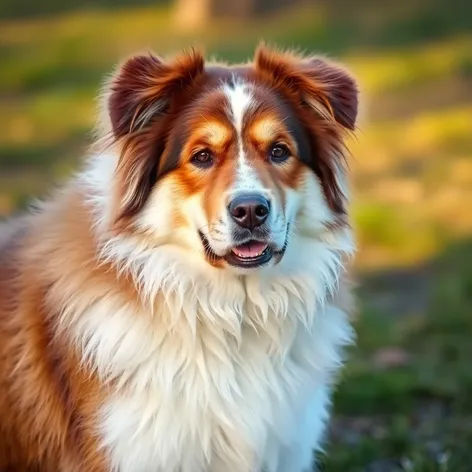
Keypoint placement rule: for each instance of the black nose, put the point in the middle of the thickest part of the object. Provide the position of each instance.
(249, 210)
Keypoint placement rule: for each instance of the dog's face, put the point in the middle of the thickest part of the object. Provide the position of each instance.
(228, 162)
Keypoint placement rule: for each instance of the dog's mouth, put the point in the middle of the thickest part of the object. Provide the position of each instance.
(248, 255)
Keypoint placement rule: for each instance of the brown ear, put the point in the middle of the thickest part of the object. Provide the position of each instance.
(325, 97)
(140, 109)
(320, 84)
(144, 87)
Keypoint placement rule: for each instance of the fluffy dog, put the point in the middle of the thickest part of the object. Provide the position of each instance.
(180, 305)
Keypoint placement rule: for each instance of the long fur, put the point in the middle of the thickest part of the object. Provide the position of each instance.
(121, 350)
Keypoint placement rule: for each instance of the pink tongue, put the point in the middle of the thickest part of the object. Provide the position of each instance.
(251, 249)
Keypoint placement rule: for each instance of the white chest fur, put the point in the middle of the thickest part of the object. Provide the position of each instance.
(205, 399)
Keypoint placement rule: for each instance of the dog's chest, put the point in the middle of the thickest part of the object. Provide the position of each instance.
(207, 402)
(219, 403)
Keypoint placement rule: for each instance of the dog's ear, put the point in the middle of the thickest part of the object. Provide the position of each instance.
(144, 87)
(323, 85)
(325, 97)
(141, 101)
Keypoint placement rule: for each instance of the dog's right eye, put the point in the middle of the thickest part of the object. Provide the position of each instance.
(202, 159)
(279, 153)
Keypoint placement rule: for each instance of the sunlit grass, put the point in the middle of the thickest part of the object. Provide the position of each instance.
(396, 70)
(420, 134)
(46, 118)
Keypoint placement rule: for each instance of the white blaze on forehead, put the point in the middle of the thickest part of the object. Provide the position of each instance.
(241, 99)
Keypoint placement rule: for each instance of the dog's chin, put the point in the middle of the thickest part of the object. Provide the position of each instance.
(250, 255)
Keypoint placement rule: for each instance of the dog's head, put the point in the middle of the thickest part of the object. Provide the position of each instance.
(227, 163)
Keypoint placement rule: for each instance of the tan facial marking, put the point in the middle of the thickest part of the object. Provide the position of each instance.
(265, 129)
(215, 133)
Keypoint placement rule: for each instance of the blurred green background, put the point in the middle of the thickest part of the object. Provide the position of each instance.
(405, 399)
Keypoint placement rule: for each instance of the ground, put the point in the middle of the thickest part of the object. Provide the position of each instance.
(403, 403)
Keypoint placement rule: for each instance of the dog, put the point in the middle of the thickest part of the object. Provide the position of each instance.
(182, 303)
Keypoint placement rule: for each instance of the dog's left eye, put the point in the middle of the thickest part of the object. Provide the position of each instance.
(202, 159)
(279, 153)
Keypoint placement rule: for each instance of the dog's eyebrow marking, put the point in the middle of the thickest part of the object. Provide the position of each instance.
(264, 129)
(216, 133)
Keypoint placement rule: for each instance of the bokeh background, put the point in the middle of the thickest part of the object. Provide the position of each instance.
(405, 402)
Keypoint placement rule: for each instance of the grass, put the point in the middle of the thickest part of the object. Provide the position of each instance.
(403, 404)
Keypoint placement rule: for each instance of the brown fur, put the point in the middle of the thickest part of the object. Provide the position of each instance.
(48, 400)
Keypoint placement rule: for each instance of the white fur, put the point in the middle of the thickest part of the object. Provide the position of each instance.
(241, 99)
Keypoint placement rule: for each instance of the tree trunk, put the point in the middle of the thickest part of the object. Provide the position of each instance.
(194, 14)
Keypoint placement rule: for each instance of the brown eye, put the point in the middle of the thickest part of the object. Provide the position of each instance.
(202, 159)
(279, 153)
